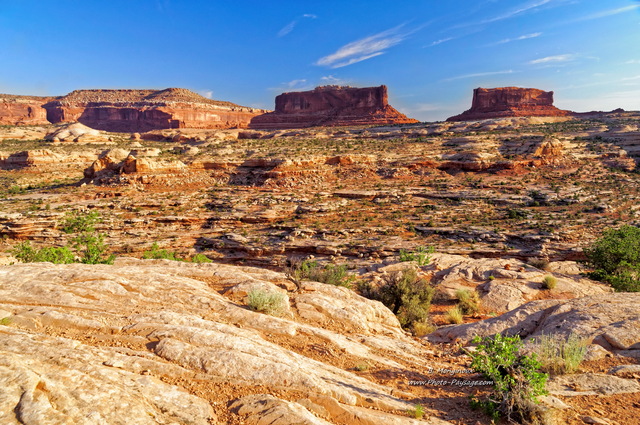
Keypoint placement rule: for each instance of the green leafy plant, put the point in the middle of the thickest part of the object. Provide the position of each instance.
(405, 294)
(615, 258)
(268, 302)
(517, 380)
(57, 255)
(155, 253)
(417, 412)
(468, 301)
(93, 248)
(421, 255)
(201, 258)
(5, 321)
(549, 282)
(330, 273)
(560, 355)
(362, 366)
(75, 222)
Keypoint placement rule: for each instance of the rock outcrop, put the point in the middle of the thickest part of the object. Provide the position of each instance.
(331, 106)
(144, 110)
(22, 110)
(510, 102)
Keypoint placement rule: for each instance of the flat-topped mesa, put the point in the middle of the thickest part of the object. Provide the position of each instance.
(22, 110)
(145, 110)
(510, 102)
(331, 106)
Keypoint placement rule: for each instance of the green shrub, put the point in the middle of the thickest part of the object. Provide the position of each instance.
(160, 254)
(421, 255)
(5, 321)
(420, 329)
(201, 258)
(268, 302)
(57, 255)
(517, 381)
(406, 295)
(549, 282)
(417, 412)
(559, 355)
(93, 249)
(615, 258)
(468, 301)
(76, 222)
(330, 273)
(454, 315)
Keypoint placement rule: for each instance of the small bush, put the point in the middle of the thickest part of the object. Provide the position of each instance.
(539, 263)
(406, 295)
(201, 258)
(330, 273)
(160, 254)
(517, 381)
(93, 248)
(420, 329)
(549, 282)
(268, 302)
(559, 355)
(468, 301)
(417, 412)
(5, 321)
(454, 315)
(75, 222)
(362, 366)
(421, 255)
(615, 258)
(57, 255)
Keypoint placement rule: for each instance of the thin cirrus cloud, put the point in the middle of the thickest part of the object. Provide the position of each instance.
(443, 40)
(479, 74)
(522, 37)
(291, 25)
(606, 13)
(365, 48)
(553, 59)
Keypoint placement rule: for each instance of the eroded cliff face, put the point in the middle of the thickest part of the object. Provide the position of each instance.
(332, 106)
(22, 110)
(510, 102)
(144, 110)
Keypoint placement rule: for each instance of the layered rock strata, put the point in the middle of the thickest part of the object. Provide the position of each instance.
(22, 110)
(144, 110)
(510, 102)
(332, 106)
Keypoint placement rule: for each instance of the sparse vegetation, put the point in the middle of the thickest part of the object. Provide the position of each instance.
(421, 255)
(417, 412)
(615, 258)
(5, 321)
(29, 254)
(517, 380)
(405, 294)
(268, 302)
(330, 273)
(468, 301)
(560, 355)
(155, 253)
(454, 315)
(549, 282)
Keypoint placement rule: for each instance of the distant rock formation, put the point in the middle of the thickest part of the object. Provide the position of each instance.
(331, 106)
(144, 110)
(22, 110)
(510, 102)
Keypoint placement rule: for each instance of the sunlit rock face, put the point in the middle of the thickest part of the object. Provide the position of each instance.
(22, 110)
(510, 102)
(332, 106)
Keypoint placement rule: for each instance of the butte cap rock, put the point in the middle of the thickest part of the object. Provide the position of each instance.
(331, 106)
(510, 102)
(22, 110)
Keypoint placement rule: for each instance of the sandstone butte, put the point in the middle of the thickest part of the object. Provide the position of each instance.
(127, 110)
(22, 110)
(331, 106)
(510, 102)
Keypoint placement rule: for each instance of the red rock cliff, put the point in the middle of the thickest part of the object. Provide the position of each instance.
(331, 106)
(510, 102)
(144, 110)
(22, 110)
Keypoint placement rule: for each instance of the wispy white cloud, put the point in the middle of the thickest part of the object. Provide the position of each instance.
(291, 25)
(443, 40)
(522, 37)
(605, 13)
(331, 80)
(206, 93)
(365, 48)
(632, 61)
(293, 85)
(479, 74)
(517, 11)
(637, 77)
(553, 59)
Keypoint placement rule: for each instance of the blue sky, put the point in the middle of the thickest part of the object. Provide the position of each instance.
(430, 53)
